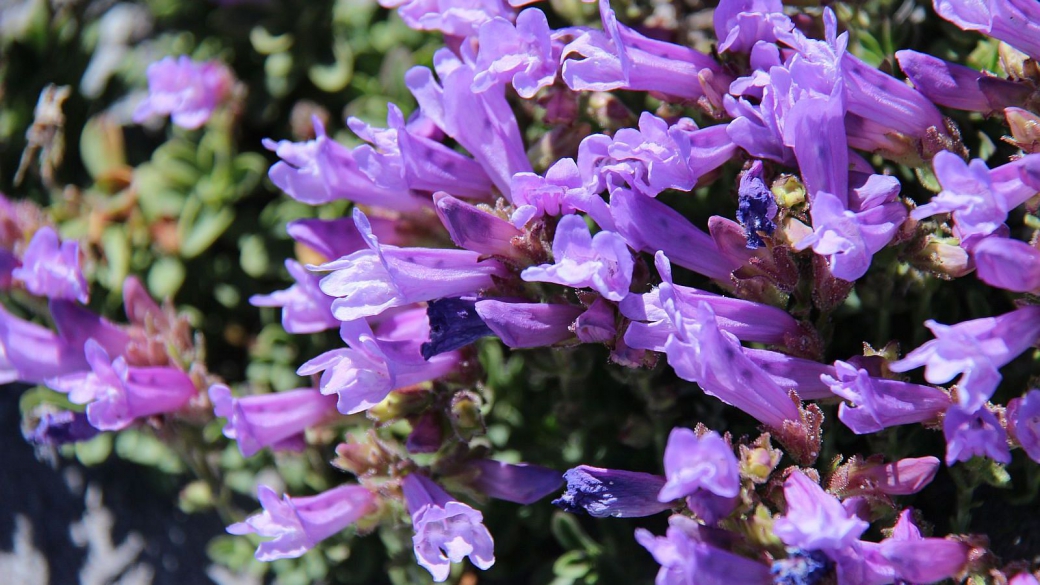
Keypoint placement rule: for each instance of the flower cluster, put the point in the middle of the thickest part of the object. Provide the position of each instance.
(458, 233)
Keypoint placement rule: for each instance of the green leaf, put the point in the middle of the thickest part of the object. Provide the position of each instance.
(210, 225)
(165, 277)
(40, 395)
(253, 256)
(336, 76)
(267, 44)
(986, 146)
(987, 471)
(101, 145)
(95, 450)
(927, 178)
(196, 497)
(871, 52)
(143, 448)
(234, 552)
(573, 564)
(117, 256)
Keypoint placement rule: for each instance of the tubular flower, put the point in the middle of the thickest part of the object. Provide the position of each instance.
(297, 524)
(446, 530)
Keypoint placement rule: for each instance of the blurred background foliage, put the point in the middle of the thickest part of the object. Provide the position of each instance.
(193, 214)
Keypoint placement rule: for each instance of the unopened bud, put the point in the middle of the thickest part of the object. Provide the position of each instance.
(788, 191)
(942, 258)
(363, 456)
(398, 405)
(758, 460)
(1025, 129)
(1014, 62)
(466, 417)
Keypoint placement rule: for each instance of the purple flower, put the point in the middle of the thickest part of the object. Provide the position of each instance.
(702, 469)
(50, 268)
(850, 239)
(476, 229)
(650, 226)
(1016, 22)
(188, 92)
(521, 483)
(959, 87)
(868, 190)
(740, 24)
(1024, 579)
(458, 18)
(1023, 415)
(31, 353)
(454, 323)
(521, 325)
(365, 372)
(912, 558)
(270, 420)
(305, 309)
(299, 524)
(335, 238)
(520, 54)
(647, 159)
(757, 207)
(747, 320)
(60, 428)
(1007, 264)
(654, 157)
(322, 170)
(974, 433)
(798, 374)
(898, 478)
(700, 352)
(620, 58)
(815, 520)
(446, 530)
(116, 394)
(611, 493)
(977, 349)
(800, 101)
(687, 557)
(482, 123)
(368, 282)
(880, 403)
(401, 159)
(598, 324)
(883, 99)
(602, 262)
(978, 198)
(560, 192)
(814, 128)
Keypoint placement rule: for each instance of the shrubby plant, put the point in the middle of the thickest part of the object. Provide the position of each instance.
(746, 290)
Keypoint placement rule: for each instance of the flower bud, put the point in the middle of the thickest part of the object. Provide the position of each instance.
(399, 405)
(1013, 62)
(788, 190)
(942, 259)
(1025, 129)
(758, 460)
(466, 418)
(364, 456)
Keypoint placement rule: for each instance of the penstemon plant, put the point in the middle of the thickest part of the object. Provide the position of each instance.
(745, 292)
